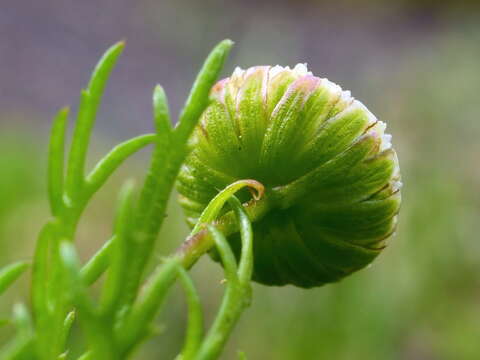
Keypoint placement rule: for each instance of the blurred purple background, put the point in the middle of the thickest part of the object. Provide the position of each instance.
(47, 48)
(415, 64)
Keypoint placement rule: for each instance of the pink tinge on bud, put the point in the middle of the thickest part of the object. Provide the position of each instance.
(306, 83)
(323, 158)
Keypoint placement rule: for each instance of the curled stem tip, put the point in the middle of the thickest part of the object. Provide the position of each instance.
(256, 189)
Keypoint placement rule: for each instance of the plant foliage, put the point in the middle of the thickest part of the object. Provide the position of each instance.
(122, 318)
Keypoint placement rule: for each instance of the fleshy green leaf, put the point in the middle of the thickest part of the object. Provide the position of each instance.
(89, 103)
(168, 156)
(97, 330)
(71, 266)
(119, 254)
(97, 264)
(10, 273)
(40, 274)
(67, 325)
(56, 154)
(135, 327)
(161, 112)
(105, 167)
(198, 99)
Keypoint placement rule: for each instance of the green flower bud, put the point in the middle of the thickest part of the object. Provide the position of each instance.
(329, 171)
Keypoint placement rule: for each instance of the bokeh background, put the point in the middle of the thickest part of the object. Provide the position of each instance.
(416, 64)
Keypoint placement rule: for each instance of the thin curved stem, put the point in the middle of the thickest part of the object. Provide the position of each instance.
(194, 333)
(238, 293)
(199, 243)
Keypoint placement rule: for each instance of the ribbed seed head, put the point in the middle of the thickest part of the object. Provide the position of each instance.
(320, 153)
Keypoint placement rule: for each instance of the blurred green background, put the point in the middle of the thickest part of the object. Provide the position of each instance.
(415, 64)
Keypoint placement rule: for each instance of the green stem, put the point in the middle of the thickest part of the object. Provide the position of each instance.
(135, 326)
(238, 293)
(167, 159)
(201, 242)
(194, 333)
(228, 316)
(98, 264)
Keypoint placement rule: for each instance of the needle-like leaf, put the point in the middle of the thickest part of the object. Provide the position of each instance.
(97, 264)
(97, 331)
(89, 103)
(11, 273)
(199, 95)
(40, 275)
(56, 154)
(166, 161)
(136, 325)
(153, 197)
(67, 325)
(119, 254)
(110, 162)
(161, 112)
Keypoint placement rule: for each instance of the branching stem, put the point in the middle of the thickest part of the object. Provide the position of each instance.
(201, 242)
